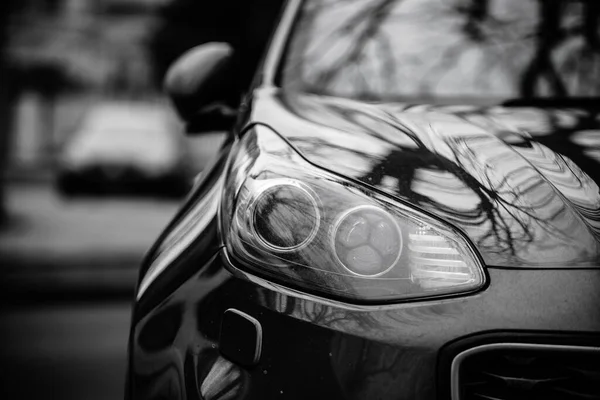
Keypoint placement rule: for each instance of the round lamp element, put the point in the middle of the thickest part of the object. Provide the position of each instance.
(285, 217)
(367, 241)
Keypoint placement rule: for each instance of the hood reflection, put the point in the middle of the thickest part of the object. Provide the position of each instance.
(520, 182)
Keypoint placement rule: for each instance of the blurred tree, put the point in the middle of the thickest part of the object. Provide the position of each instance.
(245, 24)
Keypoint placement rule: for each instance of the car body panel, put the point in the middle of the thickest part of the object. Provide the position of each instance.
(520, 182)
(335, 350)
(541, 263)
(194, 226)
(312, 345)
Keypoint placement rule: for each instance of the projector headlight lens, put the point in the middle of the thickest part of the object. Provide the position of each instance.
(367, 241)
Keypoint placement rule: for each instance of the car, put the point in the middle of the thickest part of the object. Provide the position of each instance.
(125, 147)
(406, 207)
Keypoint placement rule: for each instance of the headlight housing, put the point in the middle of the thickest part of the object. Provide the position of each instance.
(301, 227)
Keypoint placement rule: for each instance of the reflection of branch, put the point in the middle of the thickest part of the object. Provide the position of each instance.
(560, 142)
(388, 66)
(549, 37)
(527, 202)
(374, 21)
(590, 27)
(333, 317)
(367, 369)
(477, 12)
(493, 205)
(528, 56)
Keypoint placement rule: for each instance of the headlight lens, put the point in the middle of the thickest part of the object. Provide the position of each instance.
(367, 241)
(285, 215)
(296, 225)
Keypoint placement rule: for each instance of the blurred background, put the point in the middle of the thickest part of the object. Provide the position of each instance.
(93, 164)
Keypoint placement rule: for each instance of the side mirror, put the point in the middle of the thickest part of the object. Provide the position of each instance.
(196, 81)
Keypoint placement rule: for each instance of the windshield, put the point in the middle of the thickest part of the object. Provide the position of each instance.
(445, 50)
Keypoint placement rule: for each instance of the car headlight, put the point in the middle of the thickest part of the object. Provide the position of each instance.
(304, 228)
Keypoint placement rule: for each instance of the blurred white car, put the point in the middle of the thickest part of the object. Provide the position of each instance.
(124, 147)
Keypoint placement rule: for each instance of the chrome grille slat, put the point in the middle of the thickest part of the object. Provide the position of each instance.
(527, 371)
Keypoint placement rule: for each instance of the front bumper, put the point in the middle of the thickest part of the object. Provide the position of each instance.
(314, 349)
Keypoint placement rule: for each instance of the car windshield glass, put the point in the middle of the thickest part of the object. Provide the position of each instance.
(446, 51)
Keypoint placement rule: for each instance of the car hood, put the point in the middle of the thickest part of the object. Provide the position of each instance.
(520, 182)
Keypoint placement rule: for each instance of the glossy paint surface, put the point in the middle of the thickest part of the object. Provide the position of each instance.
(315, 347)
(520, 182)
(316, 350)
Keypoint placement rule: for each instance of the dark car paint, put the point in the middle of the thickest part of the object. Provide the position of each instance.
(208, 178)
(343, 351)
(166, 285)
(334, 350)
(314, 348)
(522, 188)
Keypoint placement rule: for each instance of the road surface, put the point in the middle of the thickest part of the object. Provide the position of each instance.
(64, 351)
(67, 270)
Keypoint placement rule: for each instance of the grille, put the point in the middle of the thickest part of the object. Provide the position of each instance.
(527, 372)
